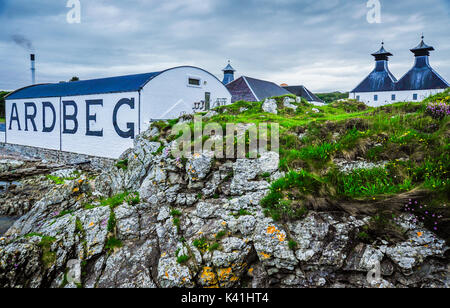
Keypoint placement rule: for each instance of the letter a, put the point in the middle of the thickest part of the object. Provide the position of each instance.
(374, 14)
(74, 15)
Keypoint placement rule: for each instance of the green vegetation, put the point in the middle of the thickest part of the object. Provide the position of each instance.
(175, 213)
(220, 235)
(201, 244)
(183, 259)
(332, 97)
(292, 244)
(114, 201)
(112, 222)
(409, 146)
(112, 243)
(133, 198)
(214, 247)
(59, 181)
(242, 212)
(367, 183)
(412, 145)
(48, 257)
(2, 105)
(122, 164)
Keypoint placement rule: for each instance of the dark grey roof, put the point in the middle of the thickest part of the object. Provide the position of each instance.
(380, 79)
(128, 83)
(422, 46)
(265, 89)
(240, 91)
(302, 91)
(421, 77)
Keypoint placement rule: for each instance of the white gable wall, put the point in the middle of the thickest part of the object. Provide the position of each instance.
(385, 98)
(169, 95)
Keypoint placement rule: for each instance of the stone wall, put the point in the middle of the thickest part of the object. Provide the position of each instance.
(99, 163)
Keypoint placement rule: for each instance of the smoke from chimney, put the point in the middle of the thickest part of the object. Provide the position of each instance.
(23, 42)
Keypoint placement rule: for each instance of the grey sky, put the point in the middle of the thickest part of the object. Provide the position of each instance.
(323, 44)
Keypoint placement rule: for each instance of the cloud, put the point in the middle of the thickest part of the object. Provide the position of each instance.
(323, 44)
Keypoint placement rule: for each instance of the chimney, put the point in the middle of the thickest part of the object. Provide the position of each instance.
(33, 69)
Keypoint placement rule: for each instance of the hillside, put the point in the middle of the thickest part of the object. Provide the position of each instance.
(332, 97)
(2, 105)
(352, 188)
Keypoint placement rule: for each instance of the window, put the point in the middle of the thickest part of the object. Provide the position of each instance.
(393, 97)
(414, 97)
(358, 97)
(194, 82)
(375, 98)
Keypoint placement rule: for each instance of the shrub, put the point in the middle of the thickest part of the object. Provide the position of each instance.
(438, 110)
(213, 247)
(183, 259)
(279, 206)
(366, 182)
(220, 235)
(112, 222)
(201, 244)
(133, 199)
(112, 243)
(175, 213)
(292, 244)
(122, 164)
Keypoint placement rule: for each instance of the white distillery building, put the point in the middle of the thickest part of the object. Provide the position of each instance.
(101, 117)
(382, 88)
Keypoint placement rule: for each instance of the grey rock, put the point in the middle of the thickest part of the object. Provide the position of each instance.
(270, 106)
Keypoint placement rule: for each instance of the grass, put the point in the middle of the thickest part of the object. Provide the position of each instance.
(220, 235)
(183, 259)
(122, 164)
(367, 183)
(413, 145)
(48, 256)
(284, 199)
(113, 243)
(59, 181)
(214, 247)
(112, 221)
(201, 244)
(115, 200)
(292, 244)
(242, 212)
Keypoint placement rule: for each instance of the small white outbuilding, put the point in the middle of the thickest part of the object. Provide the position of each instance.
(101, 117)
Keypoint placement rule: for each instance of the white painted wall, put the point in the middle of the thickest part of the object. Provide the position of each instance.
(385, 98)
(168, 95)
(111, 145)
(31, 138)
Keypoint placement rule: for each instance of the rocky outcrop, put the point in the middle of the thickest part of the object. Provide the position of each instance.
(198, 223)
(270, 106)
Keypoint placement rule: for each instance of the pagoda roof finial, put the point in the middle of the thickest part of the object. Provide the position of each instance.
(422, 49)
(229, 68)
(382, 54)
